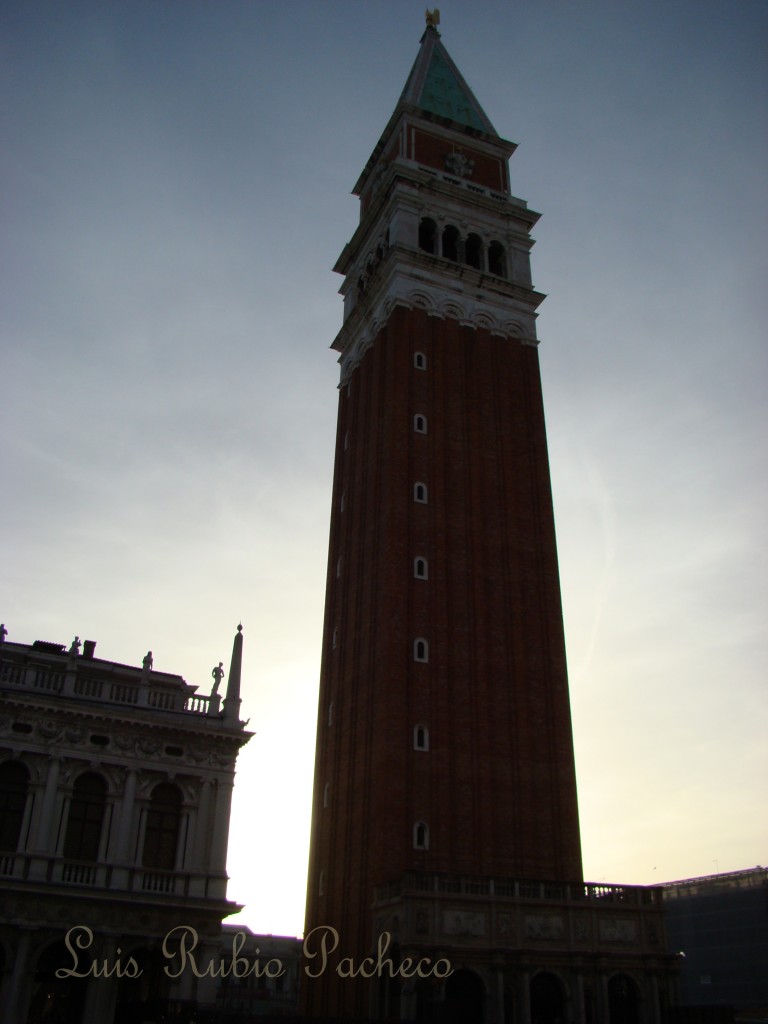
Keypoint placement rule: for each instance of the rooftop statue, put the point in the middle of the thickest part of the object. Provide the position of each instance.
(218, 675)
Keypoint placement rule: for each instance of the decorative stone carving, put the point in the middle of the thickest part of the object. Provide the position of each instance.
(459, 164)
(621, 931)
(581, 928)
(463, 922)
(546, 927)
(49, 731)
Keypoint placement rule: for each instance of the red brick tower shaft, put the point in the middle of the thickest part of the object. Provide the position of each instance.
(444, 738)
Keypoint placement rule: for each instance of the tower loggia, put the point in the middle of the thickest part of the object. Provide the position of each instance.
(444, 743)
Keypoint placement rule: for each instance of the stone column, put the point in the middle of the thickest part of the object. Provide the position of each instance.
(41, 839)
(524, 997)
(496, 995)
(220, 834)
(125, 838)
(603, 1006)
(198, 859)
(654, 1014)
(15, 994)
(101, 993)
(578, 1008)
(42, 843)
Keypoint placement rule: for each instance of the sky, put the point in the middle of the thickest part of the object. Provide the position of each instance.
(175, 181)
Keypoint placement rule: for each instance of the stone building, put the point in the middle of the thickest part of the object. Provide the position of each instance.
(719, 923)
(115, 791)
(445, 817)
(265, 983)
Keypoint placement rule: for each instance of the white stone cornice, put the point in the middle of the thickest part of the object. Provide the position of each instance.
(413, 288)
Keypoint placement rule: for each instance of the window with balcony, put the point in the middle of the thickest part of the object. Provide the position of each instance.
(85, 821)
(14, 784)
(161, 836)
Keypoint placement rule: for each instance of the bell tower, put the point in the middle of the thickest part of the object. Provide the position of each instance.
(444, 745)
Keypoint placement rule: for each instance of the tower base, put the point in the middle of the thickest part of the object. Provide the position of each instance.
(450, 948)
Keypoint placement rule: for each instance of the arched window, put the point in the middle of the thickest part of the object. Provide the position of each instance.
(547, 997)
(451, 243)
(14, 783)
(161, 836)
(420, 650)
(623, 999)
(419, 360)
(428, 235)
(473, 251)
(420, 568)
(420, 493)
(497, 259)
(86, 818)
(420, 423)
(420, 836)
(420, 737)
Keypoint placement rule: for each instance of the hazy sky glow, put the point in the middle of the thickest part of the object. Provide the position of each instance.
(175, 189)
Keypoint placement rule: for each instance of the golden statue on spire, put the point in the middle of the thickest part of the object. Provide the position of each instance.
(433, 17)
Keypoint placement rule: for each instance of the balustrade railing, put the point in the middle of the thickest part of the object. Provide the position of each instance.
(32, 869)
(153, 691)
(508, 888)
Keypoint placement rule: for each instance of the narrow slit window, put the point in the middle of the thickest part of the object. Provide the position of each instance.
(420, 568)
(420, 650)
(420, 737)
(419, 360)
(420, 493)
(420, 836)
(420, 423)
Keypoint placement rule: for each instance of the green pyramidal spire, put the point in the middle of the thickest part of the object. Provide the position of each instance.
(436, 85)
